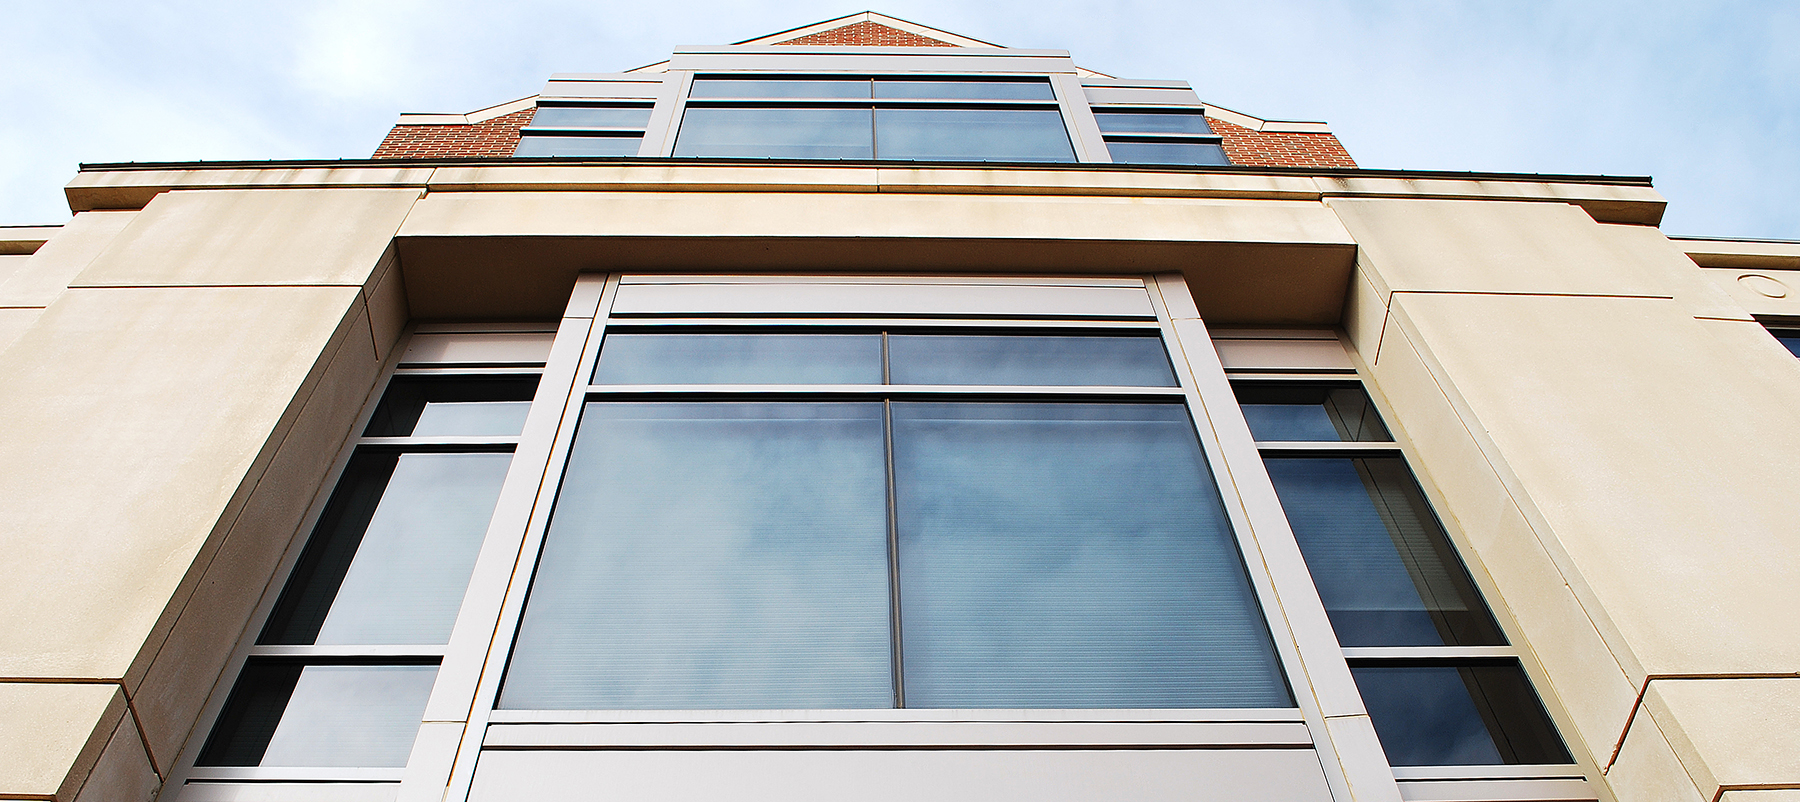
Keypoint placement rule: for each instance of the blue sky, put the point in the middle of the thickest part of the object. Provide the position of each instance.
(1705, 97)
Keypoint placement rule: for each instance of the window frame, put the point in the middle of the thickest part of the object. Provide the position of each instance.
(1524, 781)
(1159, 137)
(352, 782)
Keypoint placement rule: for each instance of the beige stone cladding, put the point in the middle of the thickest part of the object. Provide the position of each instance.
(1622, 450)
(165, 420)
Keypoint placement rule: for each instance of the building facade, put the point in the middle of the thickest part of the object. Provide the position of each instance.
(867, 410)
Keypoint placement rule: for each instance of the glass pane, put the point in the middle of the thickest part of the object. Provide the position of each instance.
(713, 555)
(1070, 555)
(1382, 564)
(1023, 135)
(468, 407)
(392, 554)
(1147, 123)
(780, 87)
(1166, 152)
(591, 116)
(1310, 412)
(959, 90)
(740, 359)
(1029, 360)
(285, 714)
(539, 145)
(756, 133)
(1448, 715)
(1789, 338)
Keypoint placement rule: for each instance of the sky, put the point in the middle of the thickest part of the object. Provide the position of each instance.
(1702, 96)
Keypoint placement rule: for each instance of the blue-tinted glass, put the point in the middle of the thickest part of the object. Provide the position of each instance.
(1004, 135)
(1789, 338)
(1381, 562)
(1449, 715)
(713, 555)
(1028, 360)
(286, 714)
(1146, 123)
(1310, 412)
(740, 359)
(1167, 152)
(541, 145)
(1070, 555)
(425, 407)
(779, 87)
(391, 556)
(775, 133)
(964, 90)
(591, 116)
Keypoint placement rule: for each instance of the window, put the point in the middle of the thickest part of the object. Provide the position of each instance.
(920, 119)
(1153, 136)
(1788, 337)
(346, 659)
(561, 128)
(806, 520)
(1435, 671)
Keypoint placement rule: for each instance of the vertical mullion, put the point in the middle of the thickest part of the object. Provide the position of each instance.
(893, 543)
(875, 153)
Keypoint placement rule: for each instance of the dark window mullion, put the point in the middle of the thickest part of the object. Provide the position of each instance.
(894, 623)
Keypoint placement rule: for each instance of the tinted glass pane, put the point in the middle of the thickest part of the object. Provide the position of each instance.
(289, 715)
(433, 407)
(538, 145)
(1789, 338)
(1382, 564)
(1168, 152)
(1027, 135)
(972, 90)
(1142, 123)
(1028, 360)
(1070, 555)
(713, 555)
(775, 133)
(1310, 412)
(391, 556)
(740, 359)
(591, 116)
(780, 87)
(1450, 715)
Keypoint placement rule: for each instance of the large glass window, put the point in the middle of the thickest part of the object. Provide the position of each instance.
(918, 119)
(1419, 638)
(875, 547)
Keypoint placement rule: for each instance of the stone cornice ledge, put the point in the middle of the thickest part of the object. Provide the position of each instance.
(131, 186)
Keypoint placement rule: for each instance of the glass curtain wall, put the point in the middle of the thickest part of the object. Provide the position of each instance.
(873, 519)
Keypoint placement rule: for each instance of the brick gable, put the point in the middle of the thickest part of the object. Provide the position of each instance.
(1280, 149)
(866, 34)
(497, 137)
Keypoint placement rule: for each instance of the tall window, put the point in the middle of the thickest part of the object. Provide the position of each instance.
(346, 659)
(1436, 674)
(861, 518)
(906, 118)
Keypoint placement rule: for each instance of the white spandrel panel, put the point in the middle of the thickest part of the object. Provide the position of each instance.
(1150, 775)
(486, 348)
(919, 297)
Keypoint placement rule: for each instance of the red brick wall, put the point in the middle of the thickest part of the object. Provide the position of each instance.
(1270, 149)
(866, 34)
(495, 137)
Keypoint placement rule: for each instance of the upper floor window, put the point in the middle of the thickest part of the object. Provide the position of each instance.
(570, 128)
(1142, 136)
(915, 119)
